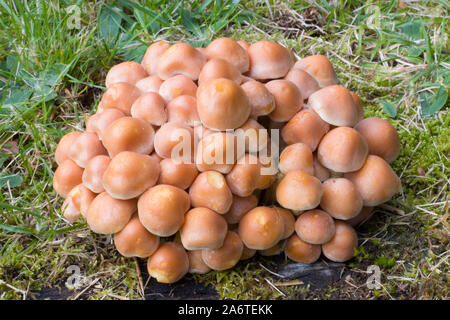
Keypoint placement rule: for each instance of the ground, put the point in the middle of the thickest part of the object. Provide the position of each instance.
(54, 56)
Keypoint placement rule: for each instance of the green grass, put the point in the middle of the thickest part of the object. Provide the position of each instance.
(395, 55)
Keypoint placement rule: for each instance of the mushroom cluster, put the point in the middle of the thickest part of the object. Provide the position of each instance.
(183, 164)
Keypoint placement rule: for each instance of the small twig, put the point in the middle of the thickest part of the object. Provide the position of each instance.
(271, 272)
(115, 296)
(274, 287)
(84, 290)
(139, 275)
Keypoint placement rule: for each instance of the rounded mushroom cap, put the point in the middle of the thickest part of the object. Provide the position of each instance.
(320, 68)
(176, 86)
(261, 100)
(101, 120)
(151, 108)
(255, 136)
(120, 95)
(222, 104)
(129, 71)
(288, 220)
(93, 173)
(275, 250)
(315, 226)
(381, 137)
(169, 263)
(196, 263)
(342, 149)
(219, 68)
(129, 174)
(183, 109)
(239, 207)
(149, 84)
(297, 156)
(341, 199)
(247, 253)
(244, 44)
(306, 127)
(77, 202)
(66, 177)
(305, 83)
(176, 141)
(288, 99)
(135, 241)
(363, 216)
(358, 105)
(243, 179)
(107, 215)
(180, 58)
(230, 51)
(342, 245)
(85, 147)
(177, 173)
(161, 209)
(375, 181)
(320, 172)
(301, 251)
(268, 60)
(210, 190)
(299, 191)
(128, 134)
(152, 55)
(203, 229)
(261, 228)
(216, 151)
(62, 149)
(227, 256)
(335, 105)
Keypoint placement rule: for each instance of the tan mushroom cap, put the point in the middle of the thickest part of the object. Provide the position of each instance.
(261, 228)
(176, 86)
(203, 229)
(86, 146)
(269, 60)
(217, 151)
(100, 121)
(230, 51)
(129, 174)
(381, 137)
(222, 104)
(375, 181)
(341, 199)
(176, 141)
(261, 100)
(210, 190)
(275, 250)
(335, 105)
(196, 263)
(149, 84)
(129, 134)
(150, 107)
(288, 221)
(161, 209)
(247, 253)
(62, 149)
(244, 178)
(239, 207)
(128, 71)
(301, 251)
(169, 263)
(180, 58)
(315, 226)
(288, 99)
(299, 191)
(66, 177)
(227, 256)
(77, 202)
(93, 173)
(342, 149)
(120, 95)
(244, 44)
(107, 215)
(255, 136)
(363, 216)
(183, 109)
(306, 127)
(320, 68)
(152, 55)
(297, 156)
(359, 106)
(135, 241)
(343, 244)
(219, 68)
(320, 172)
(177, 173)
(305, 83)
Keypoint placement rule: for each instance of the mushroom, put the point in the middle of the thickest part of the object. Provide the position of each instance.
(244, 44)
(77, 202)
(85, 147)
(243, 179)
(210, 190)
(219, 68)
(176, 86)
(101, 120)
(169, 263)
(315, 226)
(107, 215)
(375, 181)
(300, 251)
(151, 108)
(196, 263)
(180, 58)
(203, 229)
(320, 68)
(149, 84)
(227, 256)
(297, 156)
(239, 207)
(305, 83)
(247, 253)
(362, 217)
(217, 151)
(129, 174)
(288, 99)
(320, 172)
(129, 72)
(275, 250)
(183, 109)
(254, 135)
(161, 209)
(342, 245)
(358, 104)
(135, 241)
(66, 177)
(341, 199)
(222, 104)
(268, 60)
(152, 55)
(381, 137)
(176, 141)
(288, 221)
(93, 173)
(342, 149)
(62, 149)
(261, 100)
(230, 51)
(176, 173)
(120, 95)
